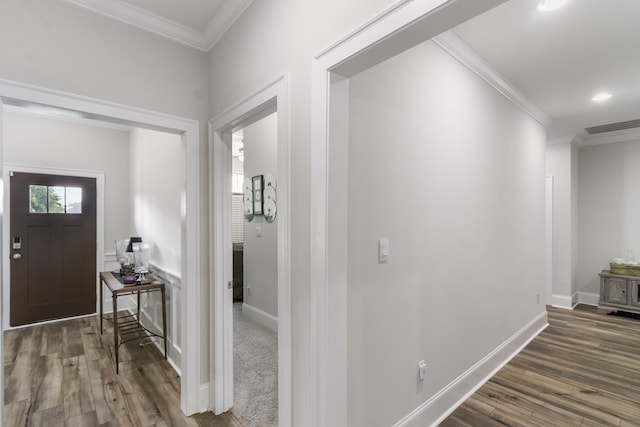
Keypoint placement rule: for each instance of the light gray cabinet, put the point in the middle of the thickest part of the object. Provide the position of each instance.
(618, 292)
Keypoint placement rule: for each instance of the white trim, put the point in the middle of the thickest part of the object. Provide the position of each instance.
(548, 225)
(271, 97)
(6, 224)
(609, 138)
(205, 397)
(260, 317)
(145, 20)
(68, 118)
(191, 238)
(440, 406)
(605, 138)
(562, 301)
(223, 19)
(403, 25)
(174, 353)
(561, 140)
(588, 298)
(457, 48)
(2, 255)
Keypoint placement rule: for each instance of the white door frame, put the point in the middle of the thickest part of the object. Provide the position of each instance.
(273, 96)
(6, 225)
(404, 25)
(191, 237)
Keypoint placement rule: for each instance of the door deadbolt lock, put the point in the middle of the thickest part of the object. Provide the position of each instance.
(16, 256)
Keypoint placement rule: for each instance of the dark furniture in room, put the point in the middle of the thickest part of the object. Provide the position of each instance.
(238, 272)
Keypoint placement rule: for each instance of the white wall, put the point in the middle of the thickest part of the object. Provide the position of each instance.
(261, 253)
(609, 203)
(157, 194)
(562, 164)
(270, 38)
(157, 202)
(452, 173)
(38, 141)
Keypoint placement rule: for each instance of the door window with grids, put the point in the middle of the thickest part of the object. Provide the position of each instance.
(45, 199)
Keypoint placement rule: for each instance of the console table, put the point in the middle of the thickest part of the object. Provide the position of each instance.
(129, 326)
(619, 292)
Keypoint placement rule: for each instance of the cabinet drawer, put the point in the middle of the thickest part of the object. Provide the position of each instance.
(615, 291)
(634, 292)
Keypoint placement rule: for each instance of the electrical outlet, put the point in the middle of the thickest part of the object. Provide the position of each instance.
(422, 370)
(538, 298)
(248, 289)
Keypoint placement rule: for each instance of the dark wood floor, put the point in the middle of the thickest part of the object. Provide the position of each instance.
(583, 370)
(63, 374)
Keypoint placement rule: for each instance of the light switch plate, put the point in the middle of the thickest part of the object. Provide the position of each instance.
(383, 250)
(422, 370)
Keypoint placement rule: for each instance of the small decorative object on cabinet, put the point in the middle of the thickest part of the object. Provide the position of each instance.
(619, 292)
(142, 257)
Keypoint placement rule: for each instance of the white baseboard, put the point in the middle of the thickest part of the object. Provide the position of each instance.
(442, 404)
(588, 298)
(263, 318)
(562, 301)
(203, 397)
(174, 353)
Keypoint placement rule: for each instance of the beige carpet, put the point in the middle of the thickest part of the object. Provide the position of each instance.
(255, 372)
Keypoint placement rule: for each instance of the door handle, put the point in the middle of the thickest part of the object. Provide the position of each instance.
(16, 256)
(230, 285)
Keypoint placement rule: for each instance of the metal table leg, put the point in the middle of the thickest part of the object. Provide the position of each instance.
(114, 298)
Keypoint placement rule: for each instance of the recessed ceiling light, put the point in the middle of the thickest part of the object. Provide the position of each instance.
(601, 97)
(548, 5)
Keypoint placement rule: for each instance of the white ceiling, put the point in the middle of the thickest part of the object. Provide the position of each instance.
(560, 59)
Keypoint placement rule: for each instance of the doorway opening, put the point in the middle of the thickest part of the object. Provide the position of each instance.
(188, 308)
(259, 125)
(255, 275)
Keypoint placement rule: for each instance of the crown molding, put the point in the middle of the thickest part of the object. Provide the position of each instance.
(563, 140)
(610, 139)
(140, 18)
(461, 51)
(224, 18)
(590, 140)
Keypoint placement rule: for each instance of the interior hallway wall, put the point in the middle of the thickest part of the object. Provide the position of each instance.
(452, 173)
(157, 194)
(270, 38)
(609, 203)
(156, 169)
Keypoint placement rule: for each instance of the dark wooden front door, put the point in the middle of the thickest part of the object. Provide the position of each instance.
(52, 247)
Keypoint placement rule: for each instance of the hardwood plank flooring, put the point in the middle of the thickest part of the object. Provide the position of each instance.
(583, 370)
(63, 374)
